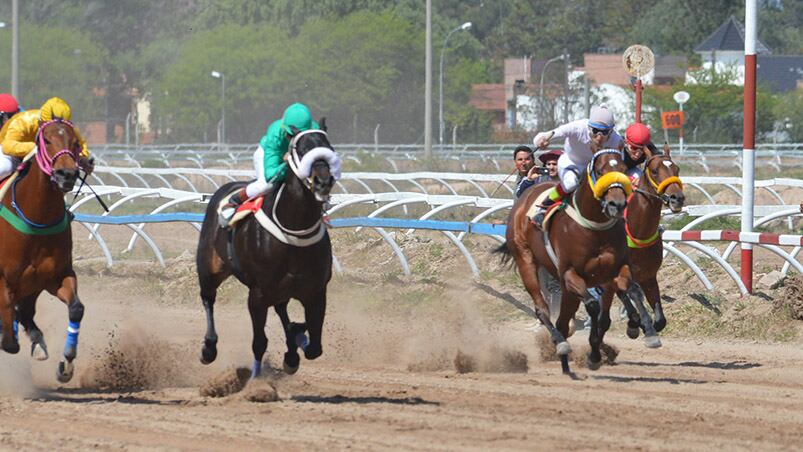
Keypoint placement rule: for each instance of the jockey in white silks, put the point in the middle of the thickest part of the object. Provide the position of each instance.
(581, 139)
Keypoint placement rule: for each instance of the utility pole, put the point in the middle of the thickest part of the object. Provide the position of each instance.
(428, 87)
(15, 48)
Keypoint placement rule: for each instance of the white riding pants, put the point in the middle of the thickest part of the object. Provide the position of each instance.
(7, 164)
(260, 186)
(569, 173)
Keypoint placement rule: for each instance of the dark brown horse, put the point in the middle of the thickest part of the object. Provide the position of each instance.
(293, 261)
(589, 251)
(36, 243)
(659, 185)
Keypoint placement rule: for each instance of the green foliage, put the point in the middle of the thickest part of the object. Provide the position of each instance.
(789, 111)
(58, 62)
(716, 107)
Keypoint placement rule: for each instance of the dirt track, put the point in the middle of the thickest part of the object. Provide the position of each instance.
(363, 394)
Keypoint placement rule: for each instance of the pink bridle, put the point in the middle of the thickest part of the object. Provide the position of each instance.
(42, 158)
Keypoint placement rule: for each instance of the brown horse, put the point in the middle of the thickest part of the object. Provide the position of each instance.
(36, 244)
(660, 185)
(589, 251)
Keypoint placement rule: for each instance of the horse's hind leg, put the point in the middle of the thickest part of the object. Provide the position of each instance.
(258, 308)
(9, 341)
(67, 292)
(653, 294)
(209, 283)
(294, 334)
(314, 312)
(26, 311)
(529, 276)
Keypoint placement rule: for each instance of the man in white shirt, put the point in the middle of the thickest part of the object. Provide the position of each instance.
(581, 139)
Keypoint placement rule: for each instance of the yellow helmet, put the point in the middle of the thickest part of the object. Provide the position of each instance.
(55, 108)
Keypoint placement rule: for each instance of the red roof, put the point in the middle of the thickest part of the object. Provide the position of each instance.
(488, 97)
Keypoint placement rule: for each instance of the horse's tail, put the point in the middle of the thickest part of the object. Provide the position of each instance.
(506, 257)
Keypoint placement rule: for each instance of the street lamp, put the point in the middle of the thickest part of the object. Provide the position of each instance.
(541, 90)
(222, 77)
(465, 26)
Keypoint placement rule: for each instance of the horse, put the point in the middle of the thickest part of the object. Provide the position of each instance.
(584, 247)
(292, 258)
(36, 245)
(660, 185)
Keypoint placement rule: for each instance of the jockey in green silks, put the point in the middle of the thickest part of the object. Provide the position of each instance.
(269, 161)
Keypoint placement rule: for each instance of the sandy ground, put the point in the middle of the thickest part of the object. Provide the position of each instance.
(387, 380)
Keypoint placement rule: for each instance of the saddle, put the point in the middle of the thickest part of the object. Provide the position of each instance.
(554, 208)
(245, 209)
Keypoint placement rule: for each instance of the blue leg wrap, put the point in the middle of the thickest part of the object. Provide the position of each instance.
(16, 327)
(72, 338)
(256, 370)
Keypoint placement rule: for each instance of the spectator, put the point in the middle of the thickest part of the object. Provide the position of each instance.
(523, 157)
(536, 174)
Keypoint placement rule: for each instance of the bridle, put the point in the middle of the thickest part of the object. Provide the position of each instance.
(298, 164)
(609, 180)
(44, 160)
(661, 187)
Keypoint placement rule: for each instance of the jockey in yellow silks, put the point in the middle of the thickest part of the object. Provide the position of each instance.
(18, 135)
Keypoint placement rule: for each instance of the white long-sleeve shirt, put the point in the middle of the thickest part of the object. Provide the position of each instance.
(577, 141)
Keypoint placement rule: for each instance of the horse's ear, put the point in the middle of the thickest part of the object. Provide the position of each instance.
(323, 124)
(295, 130)
(666, 149)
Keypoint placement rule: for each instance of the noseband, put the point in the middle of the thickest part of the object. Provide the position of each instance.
(608, 180)
(661, 188)
(302, 166)
(42, 158)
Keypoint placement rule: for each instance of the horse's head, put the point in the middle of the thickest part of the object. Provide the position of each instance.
(313, 160)
(608, 182)
(663, 175)
(58, 153)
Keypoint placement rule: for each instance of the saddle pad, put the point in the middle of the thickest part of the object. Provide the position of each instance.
(247, 208)
(549, 213)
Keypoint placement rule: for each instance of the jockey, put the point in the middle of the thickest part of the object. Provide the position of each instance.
(269, 157)
(637, 138)
(581, 139)
(18, 135)
(8, 108)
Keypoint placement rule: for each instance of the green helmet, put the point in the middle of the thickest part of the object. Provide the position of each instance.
(298, 116)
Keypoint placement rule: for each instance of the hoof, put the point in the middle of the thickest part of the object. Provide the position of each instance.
(633, 332)
(290, 363)
(12, 348)
(652, 341)
(659, 325)
(208, 354)
(563, 349)
(591, 364)
(39, 351)
(313, 351)
(64, 372)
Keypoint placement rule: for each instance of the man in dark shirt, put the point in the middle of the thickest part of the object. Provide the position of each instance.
(536, 174)
(523, 158)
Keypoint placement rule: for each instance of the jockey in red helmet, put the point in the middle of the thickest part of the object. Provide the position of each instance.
(8, 107)
(637, 142)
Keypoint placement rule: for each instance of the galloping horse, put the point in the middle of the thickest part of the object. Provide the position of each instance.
(281, 252)
(584, 247)
(660, 185)
(36, 244)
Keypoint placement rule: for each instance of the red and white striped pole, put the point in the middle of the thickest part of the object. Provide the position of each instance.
(749, 148)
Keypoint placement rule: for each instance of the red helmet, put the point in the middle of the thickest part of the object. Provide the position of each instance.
(637, 134)
(8, 104)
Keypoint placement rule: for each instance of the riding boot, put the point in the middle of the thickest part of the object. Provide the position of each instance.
(228, 210)
(556, 195)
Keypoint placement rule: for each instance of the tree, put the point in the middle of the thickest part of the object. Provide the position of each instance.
(789, 112)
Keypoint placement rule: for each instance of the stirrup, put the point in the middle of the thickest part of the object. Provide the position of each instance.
(226, 214)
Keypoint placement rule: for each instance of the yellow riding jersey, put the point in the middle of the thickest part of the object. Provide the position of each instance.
(19, 133)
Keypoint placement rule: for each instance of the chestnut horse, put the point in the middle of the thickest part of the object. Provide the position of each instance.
(36, 245)
(589, 249)
(660, 185)
(292, 260)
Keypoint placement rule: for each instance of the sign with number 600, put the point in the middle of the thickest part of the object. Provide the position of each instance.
(672, 119)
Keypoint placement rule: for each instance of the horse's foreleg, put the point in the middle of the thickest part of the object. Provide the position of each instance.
(314, 312)
(26, 311)
(9, 341)
(258, 308)
(209, 284)
(529, 276)
(67, 292)
(291, 332)
(653, 294)
(633, 291)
